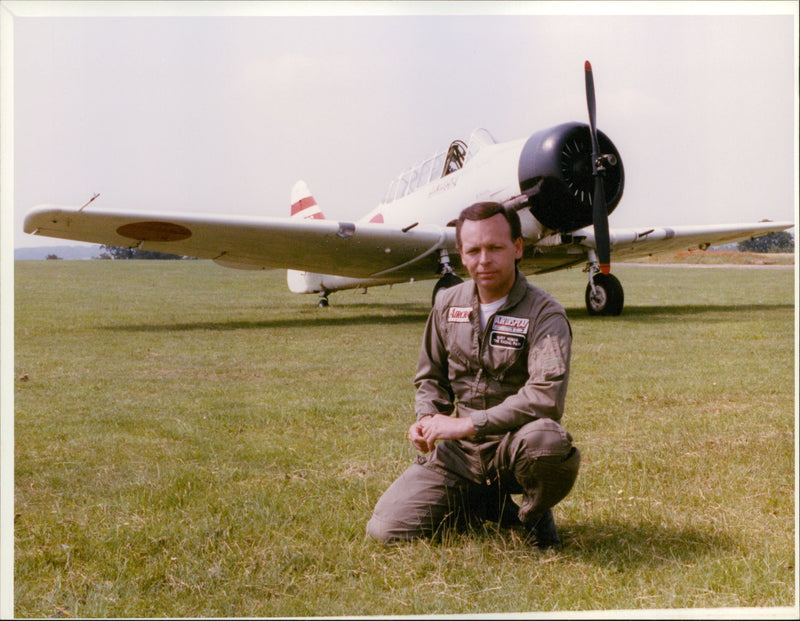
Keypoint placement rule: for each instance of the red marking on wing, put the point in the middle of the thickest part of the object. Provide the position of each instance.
(154, 231)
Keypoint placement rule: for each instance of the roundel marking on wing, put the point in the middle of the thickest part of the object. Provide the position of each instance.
(154, 231)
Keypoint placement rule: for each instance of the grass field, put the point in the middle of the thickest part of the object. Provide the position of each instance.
(195, 441)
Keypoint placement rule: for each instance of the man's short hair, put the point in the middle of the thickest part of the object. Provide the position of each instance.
(483, 211)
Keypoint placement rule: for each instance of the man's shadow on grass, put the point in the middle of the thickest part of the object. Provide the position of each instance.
(614, 545)
(622, 546)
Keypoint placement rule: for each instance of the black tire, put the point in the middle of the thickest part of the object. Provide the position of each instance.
(609, 298)
(445, 282)
(323, 303)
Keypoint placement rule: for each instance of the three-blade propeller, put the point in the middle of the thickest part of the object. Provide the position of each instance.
(599, 208)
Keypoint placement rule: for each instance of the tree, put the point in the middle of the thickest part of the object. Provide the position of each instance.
(118, 252)
(774, 242)
(52, 257)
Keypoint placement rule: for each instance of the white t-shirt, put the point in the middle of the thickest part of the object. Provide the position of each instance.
(487, 310)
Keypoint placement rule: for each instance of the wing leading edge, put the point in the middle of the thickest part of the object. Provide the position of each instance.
(355, 250)
(563, 250)
(358, 250)
(632, 243)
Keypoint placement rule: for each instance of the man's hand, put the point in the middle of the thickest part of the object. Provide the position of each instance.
(416, 434)
(424, 433)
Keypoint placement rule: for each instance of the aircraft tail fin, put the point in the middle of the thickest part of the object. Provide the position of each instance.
(304, 207)
(303, 204)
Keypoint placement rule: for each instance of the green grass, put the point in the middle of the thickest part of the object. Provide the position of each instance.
(195, 441)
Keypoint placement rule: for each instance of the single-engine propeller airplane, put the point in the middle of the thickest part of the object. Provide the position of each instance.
(563, 182)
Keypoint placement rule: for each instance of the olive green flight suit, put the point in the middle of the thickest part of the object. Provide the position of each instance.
(511, 379)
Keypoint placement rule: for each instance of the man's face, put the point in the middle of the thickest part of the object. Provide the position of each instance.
(488, 253)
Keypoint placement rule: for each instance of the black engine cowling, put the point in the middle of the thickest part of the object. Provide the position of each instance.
(555, 172)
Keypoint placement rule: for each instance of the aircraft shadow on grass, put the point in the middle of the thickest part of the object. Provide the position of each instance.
(368, 314)
(410, 313)
(666, 314)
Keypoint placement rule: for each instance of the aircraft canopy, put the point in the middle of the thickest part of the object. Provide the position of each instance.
(438, 165)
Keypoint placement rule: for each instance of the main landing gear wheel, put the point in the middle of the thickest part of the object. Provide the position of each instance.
(607, 297)
(445, 282)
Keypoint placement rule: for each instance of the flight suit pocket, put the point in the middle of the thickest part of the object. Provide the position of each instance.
(459, 340)
(550, 362)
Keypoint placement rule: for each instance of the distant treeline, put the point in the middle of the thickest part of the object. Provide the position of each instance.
(117, 252)
(774, 242)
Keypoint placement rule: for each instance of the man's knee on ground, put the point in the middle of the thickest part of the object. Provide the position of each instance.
(546, 466)
(385, 532)
(378, 531)
(541, 438)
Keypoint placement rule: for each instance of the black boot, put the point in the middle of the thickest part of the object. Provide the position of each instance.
(503, 512)
(544, 534)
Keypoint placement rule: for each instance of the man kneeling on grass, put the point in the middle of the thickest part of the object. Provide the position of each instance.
(496, 351)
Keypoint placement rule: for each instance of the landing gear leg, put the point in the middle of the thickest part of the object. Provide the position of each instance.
(323, 299)
(604, 295)
(448, 278)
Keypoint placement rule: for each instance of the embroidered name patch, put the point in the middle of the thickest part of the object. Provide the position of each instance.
(458, 314)
(515, 325)
(509, 332)
(507, 341)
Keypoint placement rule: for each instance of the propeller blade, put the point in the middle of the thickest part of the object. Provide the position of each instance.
(592, 113)
(600, 223)
(599, 208)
